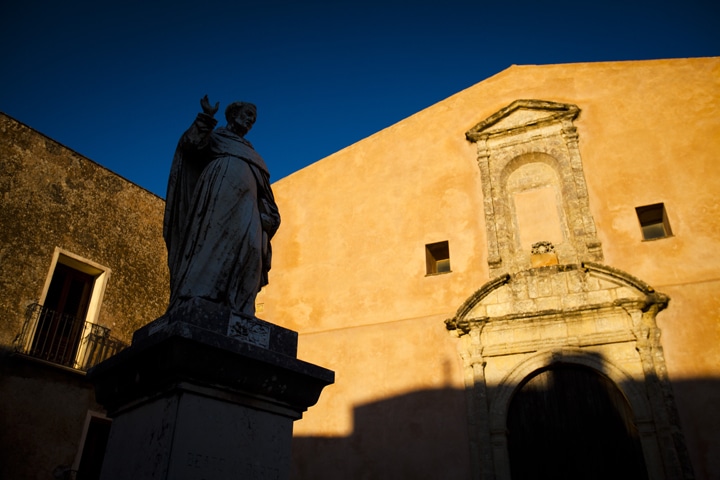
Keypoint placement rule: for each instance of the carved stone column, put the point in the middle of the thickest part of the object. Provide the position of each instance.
(481, 453)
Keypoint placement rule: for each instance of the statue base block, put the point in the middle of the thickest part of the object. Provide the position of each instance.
(191, 403)
(217, 318)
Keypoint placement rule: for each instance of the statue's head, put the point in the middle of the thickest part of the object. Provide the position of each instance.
(241, 116)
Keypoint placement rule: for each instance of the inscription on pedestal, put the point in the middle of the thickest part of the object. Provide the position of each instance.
(250, 331)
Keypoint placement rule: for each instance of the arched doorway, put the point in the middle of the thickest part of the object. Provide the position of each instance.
(567, 422)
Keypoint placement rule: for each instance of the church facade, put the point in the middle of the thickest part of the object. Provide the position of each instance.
(516, 282)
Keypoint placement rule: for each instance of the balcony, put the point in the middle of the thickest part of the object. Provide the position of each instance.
(65, 340)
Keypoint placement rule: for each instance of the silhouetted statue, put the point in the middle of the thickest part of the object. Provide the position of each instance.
(220, 213)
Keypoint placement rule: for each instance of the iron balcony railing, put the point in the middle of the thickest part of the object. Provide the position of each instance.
(64, 339)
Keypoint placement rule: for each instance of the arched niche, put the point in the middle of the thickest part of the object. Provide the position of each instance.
(536, 205)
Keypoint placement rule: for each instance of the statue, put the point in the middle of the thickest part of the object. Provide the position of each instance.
(220, 213)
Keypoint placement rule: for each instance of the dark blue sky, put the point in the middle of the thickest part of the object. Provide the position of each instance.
(119, 81)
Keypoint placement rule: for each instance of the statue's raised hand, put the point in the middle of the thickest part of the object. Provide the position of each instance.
(207, 108)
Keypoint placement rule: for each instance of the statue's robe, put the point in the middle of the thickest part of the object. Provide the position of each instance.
(220, 215)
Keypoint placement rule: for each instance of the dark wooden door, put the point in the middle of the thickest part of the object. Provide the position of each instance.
(571, 422)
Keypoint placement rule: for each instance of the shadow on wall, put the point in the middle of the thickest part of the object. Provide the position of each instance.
(419, 435)
(560, 420)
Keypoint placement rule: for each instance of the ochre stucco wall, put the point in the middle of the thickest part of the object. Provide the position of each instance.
(349, 257)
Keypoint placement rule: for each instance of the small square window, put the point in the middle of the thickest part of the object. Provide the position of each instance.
(437, 258)
(654, 221)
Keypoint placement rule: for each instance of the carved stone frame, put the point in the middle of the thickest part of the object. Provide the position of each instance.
(542, 131)
(555, 304)
(613, 319)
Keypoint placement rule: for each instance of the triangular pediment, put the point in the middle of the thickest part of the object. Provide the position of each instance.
(520, 115)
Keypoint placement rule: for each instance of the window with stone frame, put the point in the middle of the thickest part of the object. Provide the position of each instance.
(61, 327)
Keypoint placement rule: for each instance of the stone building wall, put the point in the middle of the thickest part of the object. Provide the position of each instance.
(52, 197)
(58, 206)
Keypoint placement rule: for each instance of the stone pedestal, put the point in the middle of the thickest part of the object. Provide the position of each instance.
(192, 403)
